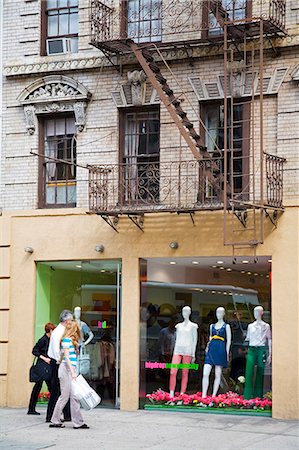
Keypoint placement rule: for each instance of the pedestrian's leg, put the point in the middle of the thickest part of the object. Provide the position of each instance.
(76, 415)
(249, 372)
(185, 374)
(34, 396)
(55, 391)
(65, 388)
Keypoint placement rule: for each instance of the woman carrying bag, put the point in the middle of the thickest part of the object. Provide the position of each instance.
(40, 350)
(67, 372)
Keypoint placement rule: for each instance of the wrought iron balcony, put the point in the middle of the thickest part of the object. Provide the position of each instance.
(165, 22)
(182, 186)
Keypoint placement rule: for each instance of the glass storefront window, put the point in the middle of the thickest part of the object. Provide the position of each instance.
(205, 334)
(91, 289)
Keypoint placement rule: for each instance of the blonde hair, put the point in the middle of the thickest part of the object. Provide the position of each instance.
(73, 332)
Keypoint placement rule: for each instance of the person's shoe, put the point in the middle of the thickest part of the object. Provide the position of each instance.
(33, 413)
(84, 427)
(56, 425)
(48, 420)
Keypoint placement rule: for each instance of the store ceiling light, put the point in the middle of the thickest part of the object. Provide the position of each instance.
(242, 271)
(79, 267)
(214, 267)
(245, 261)
(172, 262)
(219, 262)
(195, 262)
(103, 270)
(221, 268)
(229, 269)
(248, 273)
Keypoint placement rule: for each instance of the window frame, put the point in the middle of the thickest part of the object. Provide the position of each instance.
(42, 190)
(245, 147)
(205, 22)
(44, 26)
(125, 23)
(122, 133)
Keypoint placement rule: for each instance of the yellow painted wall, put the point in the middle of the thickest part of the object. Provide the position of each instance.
(72, 235)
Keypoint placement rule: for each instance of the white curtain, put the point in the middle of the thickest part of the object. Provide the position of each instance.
(131, 152)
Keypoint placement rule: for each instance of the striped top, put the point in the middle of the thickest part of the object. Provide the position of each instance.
(67, 343)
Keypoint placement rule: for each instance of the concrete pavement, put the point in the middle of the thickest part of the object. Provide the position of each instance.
(148, 430)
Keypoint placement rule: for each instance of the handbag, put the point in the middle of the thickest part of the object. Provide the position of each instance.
(82, 392)
(40, 371)
(84, 361)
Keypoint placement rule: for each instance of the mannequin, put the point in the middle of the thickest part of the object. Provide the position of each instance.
(85, 330)
(217, 352)
(258, 336)
(184, 349)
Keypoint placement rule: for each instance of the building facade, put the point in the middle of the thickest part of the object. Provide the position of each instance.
(150, 162)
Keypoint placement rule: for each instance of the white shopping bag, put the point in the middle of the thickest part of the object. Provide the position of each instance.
(87, 396)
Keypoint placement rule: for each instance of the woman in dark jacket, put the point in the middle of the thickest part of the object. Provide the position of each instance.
(40, 350)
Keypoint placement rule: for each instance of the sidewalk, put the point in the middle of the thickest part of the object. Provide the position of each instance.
(118, 430)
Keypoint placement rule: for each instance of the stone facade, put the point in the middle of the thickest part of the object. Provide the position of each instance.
(90, 87)
(98, 137)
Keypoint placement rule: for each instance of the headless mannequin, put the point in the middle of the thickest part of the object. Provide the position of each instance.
(184, 349)
(220, 313)
(258, 336)
(83, 326)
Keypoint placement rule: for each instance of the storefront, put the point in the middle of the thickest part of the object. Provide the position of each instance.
(208, 352)
(92, 290)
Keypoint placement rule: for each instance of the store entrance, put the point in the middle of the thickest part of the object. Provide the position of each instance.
(92, 290)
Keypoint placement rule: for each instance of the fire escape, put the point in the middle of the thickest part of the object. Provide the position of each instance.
(210, 179)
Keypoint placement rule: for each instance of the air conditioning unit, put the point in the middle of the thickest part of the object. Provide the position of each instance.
(58, 46)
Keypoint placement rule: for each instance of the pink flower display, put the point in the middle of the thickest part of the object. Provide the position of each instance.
(228, 400)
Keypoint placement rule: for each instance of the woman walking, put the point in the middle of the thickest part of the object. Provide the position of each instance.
(67, 372)
(40, 350)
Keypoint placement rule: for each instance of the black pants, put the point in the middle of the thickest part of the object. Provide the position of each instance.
(55, 393)
(34, 394)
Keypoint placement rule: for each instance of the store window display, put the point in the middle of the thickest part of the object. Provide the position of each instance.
(218, 349)
(219, 355)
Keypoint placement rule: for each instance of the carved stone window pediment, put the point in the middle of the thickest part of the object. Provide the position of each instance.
(54, 94)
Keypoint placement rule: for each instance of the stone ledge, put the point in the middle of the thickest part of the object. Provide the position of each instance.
(42, 64)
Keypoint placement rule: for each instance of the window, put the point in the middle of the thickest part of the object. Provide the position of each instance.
(59, 179)
(237, 10)
(61, 17)
(178, 359)
(141, 148)
(238, 149)
(144, 20)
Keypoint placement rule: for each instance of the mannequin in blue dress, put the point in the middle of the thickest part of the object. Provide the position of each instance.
(217, 352)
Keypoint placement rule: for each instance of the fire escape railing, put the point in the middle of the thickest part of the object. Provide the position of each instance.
(166, 21)
(182, 186)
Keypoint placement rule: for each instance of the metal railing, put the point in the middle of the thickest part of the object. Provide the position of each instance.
(174, 186)
(166, 21)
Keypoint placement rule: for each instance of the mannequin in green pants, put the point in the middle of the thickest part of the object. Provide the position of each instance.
(260, 344)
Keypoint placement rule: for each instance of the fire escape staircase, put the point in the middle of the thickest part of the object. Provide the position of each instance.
(178, 115)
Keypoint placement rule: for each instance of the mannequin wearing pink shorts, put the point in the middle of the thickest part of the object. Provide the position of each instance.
(184, 349)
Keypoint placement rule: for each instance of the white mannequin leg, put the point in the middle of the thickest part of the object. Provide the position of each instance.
(205, 379)
(218, 372)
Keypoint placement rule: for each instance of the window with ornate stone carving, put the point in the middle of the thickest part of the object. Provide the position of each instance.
(144, 20)
(58, 173)
(60, 26)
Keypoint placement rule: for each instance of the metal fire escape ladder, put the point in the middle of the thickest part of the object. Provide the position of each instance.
(171, 102)
(179, 116)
